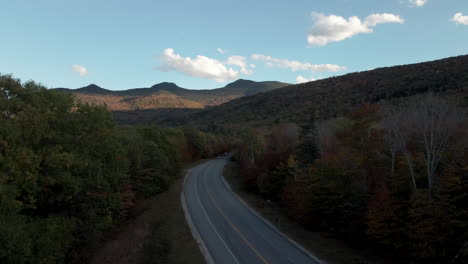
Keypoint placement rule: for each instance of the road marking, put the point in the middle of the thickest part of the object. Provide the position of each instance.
(255, 230)
(188, 218)
(301, 249)
(235, 228)
(211, 223)
(262, 236)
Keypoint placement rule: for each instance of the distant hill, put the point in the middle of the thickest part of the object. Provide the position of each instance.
(169, 95)
(326, 98)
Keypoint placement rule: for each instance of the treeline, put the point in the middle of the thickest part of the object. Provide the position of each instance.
(68, 174)
(389, 177)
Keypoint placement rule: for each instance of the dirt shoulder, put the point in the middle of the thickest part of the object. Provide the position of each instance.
(157, 234)
(322, 245)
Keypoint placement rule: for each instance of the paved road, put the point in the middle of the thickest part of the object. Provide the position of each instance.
(228, 230)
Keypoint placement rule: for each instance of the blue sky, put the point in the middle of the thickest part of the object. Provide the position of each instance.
(127, 44)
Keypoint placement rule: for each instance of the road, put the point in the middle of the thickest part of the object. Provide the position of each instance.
(228, 231)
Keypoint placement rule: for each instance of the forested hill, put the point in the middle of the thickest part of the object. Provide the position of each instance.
(169, 95)
(69, 175)
(335, 96)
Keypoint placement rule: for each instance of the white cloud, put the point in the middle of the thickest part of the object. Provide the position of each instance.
(417, 3)
(200, 66)
(459, 18)
(297, 65)
(301, 79)
(375, 19)
(82, 71)
(332, 28)
(220, 50)
(241, 61)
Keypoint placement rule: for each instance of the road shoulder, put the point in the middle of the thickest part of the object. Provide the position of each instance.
(158, 234)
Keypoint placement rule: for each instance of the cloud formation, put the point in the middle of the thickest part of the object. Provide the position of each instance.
(417, 3)
(241, 61)
(297, 65)
(332, 28)
(301, 79)
(459, 18)
(200, 66)
(82, 71)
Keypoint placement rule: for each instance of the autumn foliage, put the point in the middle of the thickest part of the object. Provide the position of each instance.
(389, 177)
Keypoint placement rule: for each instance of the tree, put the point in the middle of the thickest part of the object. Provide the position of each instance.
(196, 142)
(61, 170)
(307, 148)
(430, 126)
(397, 123)
(437, 125)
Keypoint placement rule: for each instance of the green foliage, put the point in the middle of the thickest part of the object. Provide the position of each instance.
(271, 184)
(61, 159)
(196, 140)
(15, 240)
(307, 149)
(68, 174)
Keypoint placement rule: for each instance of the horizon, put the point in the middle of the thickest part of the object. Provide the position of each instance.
(244, 79)
(168, 82)
(67, 44)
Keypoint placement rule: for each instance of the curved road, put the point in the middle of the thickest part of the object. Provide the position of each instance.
(227, 230)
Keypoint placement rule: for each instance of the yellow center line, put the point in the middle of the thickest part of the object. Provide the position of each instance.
(235, 228)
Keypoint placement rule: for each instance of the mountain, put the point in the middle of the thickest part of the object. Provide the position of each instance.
(335, 96)
(327, 98)
(169, 95)
(90, 89)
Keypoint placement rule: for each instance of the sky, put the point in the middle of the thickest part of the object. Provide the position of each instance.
(206, 44)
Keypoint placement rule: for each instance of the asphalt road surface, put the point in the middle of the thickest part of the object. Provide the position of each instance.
(228, 231)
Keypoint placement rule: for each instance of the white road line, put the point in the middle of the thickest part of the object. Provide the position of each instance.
(211, 223)
(204, 250)
(262, 236)
(269, 224)
(246, 241)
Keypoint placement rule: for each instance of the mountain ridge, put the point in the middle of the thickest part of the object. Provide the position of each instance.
(332, 97)
(325, 98)
(130, 99)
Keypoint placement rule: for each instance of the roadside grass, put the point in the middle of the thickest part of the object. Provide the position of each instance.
(170, 240)
(157, 233)
(157, 248)
(323, 245)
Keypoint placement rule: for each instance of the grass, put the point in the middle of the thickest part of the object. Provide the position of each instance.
(322, 245)
(170, 240)
(157, 234)
(157, 247)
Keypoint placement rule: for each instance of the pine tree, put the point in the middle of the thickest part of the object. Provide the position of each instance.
(307, 150)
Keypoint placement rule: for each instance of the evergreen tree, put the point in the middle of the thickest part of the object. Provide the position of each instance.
(307, 150)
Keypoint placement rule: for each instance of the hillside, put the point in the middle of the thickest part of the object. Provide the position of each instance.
(334, 96)
(169, 95)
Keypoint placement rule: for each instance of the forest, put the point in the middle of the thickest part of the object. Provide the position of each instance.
(392, 177)
(68, 174)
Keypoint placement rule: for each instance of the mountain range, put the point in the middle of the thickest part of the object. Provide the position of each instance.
(322, 99)
(169, 95)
